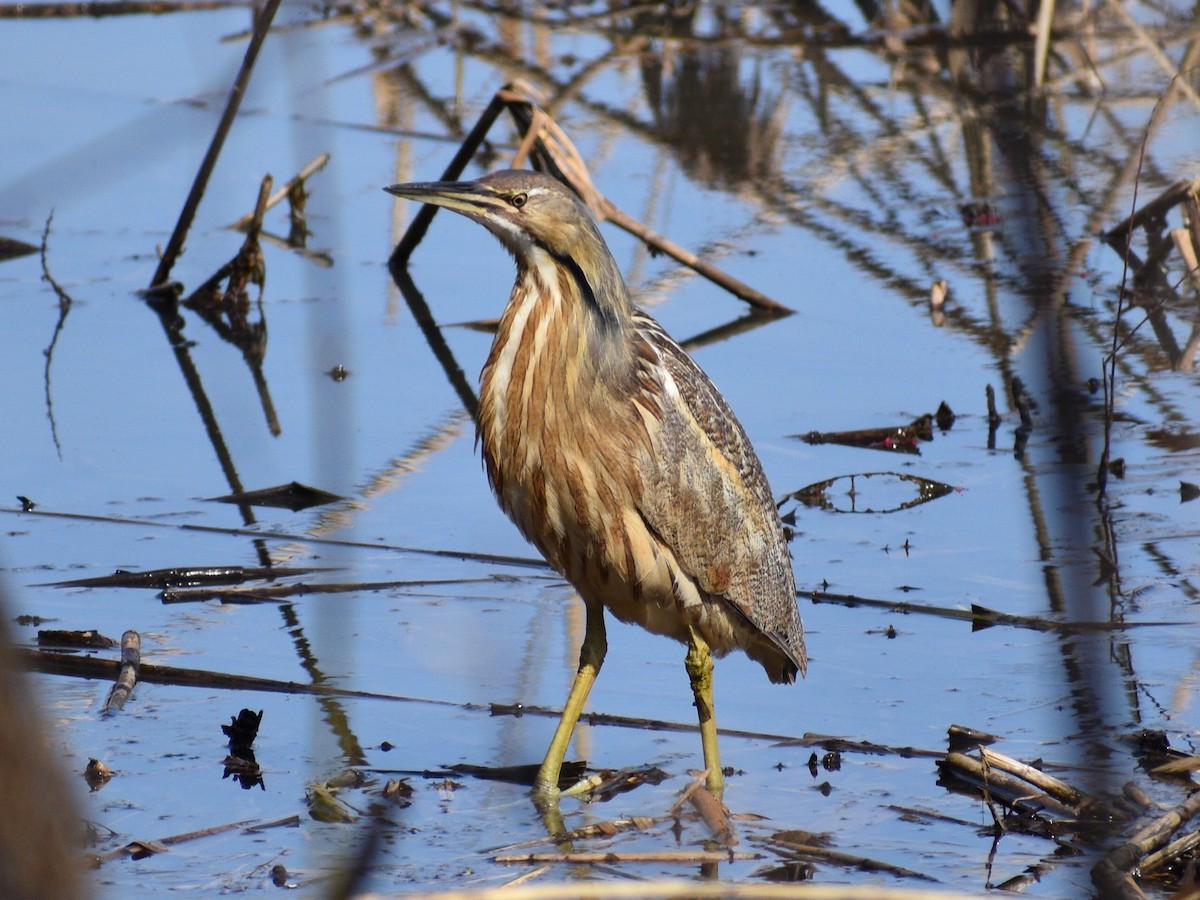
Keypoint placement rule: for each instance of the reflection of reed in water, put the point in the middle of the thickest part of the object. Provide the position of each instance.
(724, 129)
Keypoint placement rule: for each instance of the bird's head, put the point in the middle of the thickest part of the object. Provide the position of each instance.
(534, 214)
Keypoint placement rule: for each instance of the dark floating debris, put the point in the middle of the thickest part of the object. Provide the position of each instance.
(963, 738)
(96, 774)
(1188, 491)
(898, 439)
(293, 496)
(571, 773)
(242, 729)
(240, 764)
(868, 492)
(944, 417)
(80, 640)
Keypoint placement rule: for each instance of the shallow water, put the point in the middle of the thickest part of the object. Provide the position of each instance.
(829, 175)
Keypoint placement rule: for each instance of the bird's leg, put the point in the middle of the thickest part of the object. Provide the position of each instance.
(591, 658)
(700, 668)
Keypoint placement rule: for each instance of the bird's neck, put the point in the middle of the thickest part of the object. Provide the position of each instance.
(555, 352)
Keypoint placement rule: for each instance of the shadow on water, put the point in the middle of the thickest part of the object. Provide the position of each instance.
(846, 164)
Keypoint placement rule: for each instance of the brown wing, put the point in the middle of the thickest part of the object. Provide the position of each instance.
(708, 500)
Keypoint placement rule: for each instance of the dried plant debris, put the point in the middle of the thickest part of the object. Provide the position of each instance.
(896, 439)
(1024, 798)
(398, 791)
(293, 496)
(867, 492)
(325, 803)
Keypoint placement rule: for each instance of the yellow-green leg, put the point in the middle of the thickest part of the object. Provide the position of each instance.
(591, 658)
(700, 668)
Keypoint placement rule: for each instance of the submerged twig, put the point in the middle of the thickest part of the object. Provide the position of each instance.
(981, 616)
(139, 849)
(92, 667)
(279, 591)
(849, 860)
(292, 537)
(64, 307)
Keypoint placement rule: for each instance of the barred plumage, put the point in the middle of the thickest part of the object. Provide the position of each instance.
(617, 457)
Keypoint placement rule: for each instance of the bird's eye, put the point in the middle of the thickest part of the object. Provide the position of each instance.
(518, 200)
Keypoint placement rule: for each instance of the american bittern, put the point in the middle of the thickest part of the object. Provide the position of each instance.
(618, 459)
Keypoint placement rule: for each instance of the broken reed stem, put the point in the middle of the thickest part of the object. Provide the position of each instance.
(714, 815)
(260, 207)
(1059, 790)
(174, 248)
(1009, 789)
(131, 658)
(1154, 835)
(250, 826)
(316, 165)
(686, 793)
(1169, 853)
(993, 414)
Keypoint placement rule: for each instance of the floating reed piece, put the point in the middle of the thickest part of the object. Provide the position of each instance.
(131, 659)
(1022, 787)
(1026, 789)
(1147, 851)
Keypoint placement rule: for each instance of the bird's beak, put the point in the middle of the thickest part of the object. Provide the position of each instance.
(461, 196)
